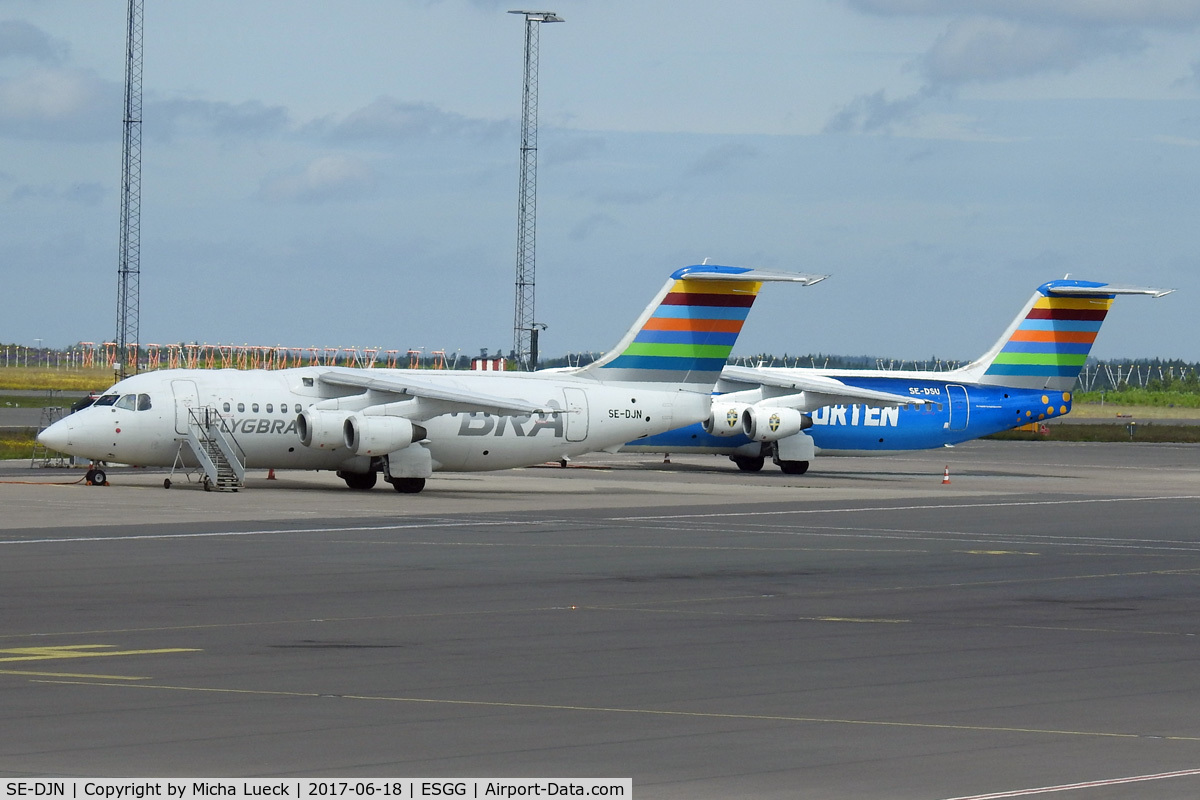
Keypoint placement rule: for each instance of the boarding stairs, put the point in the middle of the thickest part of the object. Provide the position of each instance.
(42, 455)
(218, 453)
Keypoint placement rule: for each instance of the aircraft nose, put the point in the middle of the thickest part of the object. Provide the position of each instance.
(56, 437)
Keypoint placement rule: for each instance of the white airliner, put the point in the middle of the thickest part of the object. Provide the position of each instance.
(408, 424)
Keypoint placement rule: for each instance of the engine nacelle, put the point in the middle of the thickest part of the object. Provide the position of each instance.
(379, 435)
(725, 419)
(321, 429)
(769, 424)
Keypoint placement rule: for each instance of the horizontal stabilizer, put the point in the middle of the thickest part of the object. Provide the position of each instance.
(716, 273)
(1101, 289)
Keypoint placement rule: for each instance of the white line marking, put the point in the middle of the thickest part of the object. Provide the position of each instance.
(912, 508)
(1068, 787)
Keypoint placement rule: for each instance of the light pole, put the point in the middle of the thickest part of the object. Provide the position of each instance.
(523, 324)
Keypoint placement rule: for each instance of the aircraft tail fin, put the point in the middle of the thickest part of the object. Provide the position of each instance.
(687, 332)
(1048, 343)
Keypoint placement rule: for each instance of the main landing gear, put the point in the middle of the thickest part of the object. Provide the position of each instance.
(755, 464)
(749, 463)
(365, 481)
(360, 481)
(407, 485)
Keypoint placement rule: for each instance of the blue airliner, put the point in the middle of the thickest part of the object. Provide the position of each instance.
(791, 415)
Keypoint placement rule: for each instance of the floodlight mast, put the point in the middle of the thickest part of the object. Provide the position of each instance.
(129, 272)
(524, 327)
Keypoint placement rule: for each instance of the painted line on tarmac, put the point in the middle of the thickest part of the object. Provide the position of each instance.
(643, 711)
(445, 524)
(932, 507)
(271, 532)
(1068, 787)
(80, 675)
(54, 653)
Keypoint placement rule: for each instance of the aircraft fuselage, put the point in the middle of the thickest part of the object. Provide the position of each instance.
(143, 419)
(952, 413)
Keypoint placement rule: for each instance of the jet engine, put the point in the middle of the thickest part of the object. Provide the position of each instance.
(725, 419)
(379, 435)
(769, 424)
(321, 429)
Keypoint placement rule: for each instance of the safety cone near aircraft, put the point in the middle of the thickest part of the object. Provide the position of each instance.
(408, 424)
(946, 476)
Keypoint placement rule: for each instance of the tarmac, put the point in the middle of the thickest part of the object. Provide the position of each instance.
(999, 617)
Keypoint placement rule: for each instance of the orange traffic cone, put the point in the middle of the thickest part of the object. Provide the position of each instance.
(946, 476)
(271, 475)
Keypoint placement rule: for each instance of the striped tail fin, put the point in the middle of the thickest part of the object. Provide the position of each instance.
(1048, 343)
(686, 334)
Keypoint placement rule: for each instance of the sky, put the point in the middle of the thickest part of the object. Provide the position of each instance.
(320, 173)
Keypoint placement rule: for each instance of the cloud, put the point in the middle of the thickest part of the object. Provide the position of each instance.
(591, 225)
(84, 194)
(166, 119)
(1143, 13)
(60, 104)
(19, 39)
(1191, 81)
(388, 120)
(872, 113)
(327, 179)
(983, 50)
(989, 41)
(721, 159)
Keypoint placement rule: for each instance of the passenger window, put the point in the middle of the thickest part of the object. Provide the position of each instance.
(254, 408)
(241, 407)
(298, 409)
(106, 400)
(270, 408)
(128, 402)
(226, 408)
(143, 402)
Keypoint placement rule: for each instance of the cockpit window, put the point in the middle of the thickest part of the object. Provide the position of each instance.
(143, 402)
(127, 401)
(107, 400)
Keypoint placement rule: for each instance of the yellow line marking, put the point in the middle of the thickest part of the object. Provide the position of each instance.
(79, 651)
(644, 711)
(29, 673)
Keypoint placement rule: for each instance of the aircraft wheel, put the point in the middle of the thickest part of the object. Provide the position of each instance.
(166, 483)
(96, 477)
(748, 463)
(359, 481)
(793, 467)
(408, 485)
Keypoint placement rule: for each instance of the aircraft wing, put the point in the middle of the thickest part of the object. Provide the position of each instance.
(407, 387)
(818, 390)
